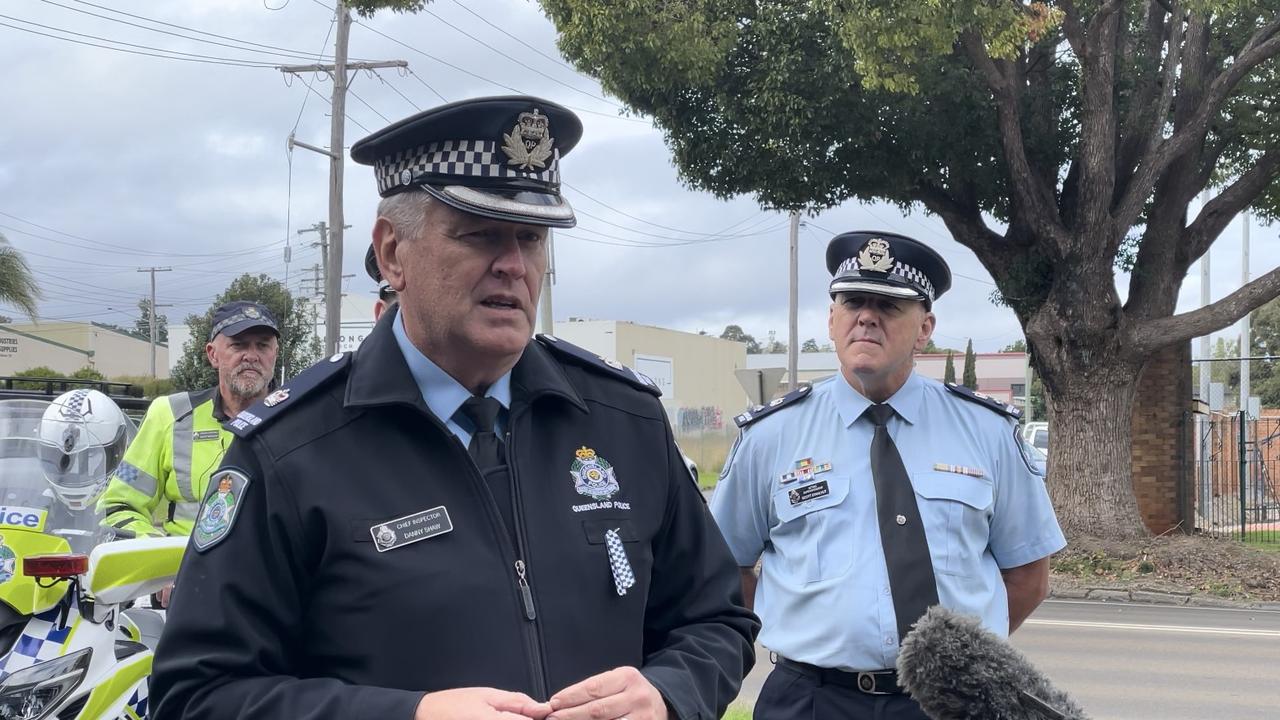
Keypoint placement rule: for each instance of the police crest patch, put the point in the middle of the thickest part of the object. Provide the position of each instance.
(219, 510)
(593, 475)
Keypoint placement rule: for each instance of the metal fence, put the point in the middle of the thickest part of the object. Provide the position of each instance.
(1236, 471)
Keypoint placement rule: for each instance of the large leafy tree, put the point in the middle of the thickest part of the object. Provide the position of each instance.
(299, 344)
(1062, 142)
(18, 287)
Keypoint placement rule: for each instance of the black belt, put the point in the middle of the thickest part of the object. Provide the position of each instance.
(871, 682)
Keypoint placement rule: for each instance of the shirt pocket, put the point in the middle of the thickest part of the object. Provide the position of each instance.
(814, 537)
(955, 510)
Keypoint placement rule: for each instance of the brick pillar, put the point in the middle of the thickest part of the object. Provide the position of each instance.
(1162, 439)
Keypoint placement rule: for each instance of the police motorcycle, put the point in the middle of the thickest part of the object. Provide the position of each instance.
(71, 647)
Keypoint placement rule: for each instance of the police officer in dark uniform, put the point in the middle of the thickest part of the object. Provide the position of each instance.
(457, 521)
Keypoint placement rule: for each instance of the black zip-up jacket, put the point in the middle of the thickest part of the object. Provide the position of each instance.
(295, 613)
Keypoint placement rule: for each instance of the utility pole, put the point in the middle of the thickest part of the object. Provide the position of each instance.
(152, 311)
(322, 230)
(793, 311)
(545, 317)
(337, 155)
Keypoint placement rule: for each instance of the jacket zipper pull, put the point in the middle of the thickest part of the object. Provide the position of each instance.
(525, 593)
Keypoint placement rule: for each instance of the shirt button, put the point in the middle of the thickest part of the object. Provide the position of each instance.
(888, 640)
(901, 519)
(887, 590)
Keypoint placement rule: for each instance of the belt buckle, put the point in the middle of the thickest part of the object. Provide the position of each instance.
(867, 684)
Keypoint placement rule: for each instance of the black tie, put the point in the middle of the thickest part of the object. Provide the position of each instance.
(906, 550)
(486, 447)
(489, 453)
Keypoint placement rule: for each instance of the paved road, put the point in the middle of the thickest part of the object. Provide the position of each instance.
(1145, 662)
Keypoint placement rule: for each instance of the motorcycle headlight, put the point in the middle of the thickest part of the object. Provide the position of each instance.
(35, 692)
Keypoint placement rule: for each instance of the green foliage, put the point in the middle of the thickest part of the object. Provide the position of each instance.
(142, 326)
(366, 8)
(949, 371)
(147, 386)
(970, 375)
(810, 346)
(88, 373)
(736, 334)
(17, 285)
(299, 345)
(1016, 346)
(40, 371)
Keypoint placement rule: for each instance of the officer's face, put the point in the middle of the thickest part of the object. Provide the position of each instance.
(244, 362)
(875, 337)
(468, 286)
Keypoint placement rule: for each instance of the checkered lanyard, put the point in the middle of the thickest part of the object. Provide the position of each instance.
(623, 577)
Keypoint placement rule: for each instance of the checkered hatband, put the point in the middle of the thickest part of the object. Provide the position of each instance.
(901, 271)
(462, 158)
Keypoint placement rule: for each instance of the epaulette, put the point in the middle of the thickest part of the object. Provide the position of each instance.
(985, 400)
(607, 366)
(755, 412)
(254, 417)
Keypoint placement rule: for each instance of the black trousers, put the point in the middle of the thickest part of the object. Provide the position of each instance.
(792, 695)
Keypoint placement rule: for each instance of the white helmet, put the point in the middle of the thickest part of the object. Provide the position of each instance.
(83, 436)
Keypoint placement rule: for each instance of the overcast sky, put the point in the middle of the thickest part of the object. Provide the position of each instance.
(130, 161)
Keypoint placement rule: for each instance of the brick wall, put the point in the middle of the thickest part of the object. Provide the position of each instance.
(1160, 439)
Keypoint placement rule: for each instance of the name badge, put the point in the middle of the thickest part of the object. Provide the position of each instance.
(411, 529)
(206, 435)
(805, 493)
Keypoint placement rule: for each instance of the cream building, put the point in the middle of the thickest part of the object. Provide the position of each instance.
(696, 374)
(69, 346)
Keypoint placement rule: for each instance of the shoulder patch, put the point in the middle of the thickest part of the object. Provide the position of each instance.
(254, 417)
(220, 508)
(755, 412)
(985, 400)
(606, 366)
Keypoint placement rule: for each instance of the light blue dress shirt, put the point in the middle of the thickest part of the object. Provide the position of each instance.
(441, 392)
(823, 595)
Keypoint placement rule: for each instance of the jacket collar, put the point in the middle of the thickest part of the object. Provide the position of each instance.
(380, 375)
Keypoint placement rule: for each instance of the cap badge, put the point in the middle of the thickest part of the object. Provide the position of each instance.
(529, 142)
(252, 313)
(406, 177)
(875, 256)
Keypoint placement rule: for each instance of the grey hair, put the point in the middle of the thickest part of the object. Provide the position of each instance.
(407, 212)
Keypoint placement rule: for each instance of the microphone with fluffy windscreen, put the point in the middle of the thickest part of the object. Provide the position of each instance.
(958, 670)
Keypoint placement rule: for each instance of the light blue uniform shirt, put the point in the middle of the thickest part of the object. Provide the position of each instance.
(442, 393)
(823, 595)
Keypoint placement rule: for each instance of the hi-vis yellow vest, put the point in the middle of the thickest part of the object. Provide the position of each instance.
(160, 483)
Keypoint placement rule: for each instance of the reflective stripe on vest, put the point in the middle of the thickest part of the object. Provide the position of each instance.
(183, 437)
(184, 512)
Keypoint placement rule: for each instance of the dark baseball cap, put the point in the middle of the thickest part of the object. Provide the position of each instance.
(235, 317)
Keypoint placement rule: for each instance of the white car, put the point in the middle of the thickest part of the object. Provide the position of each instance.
(1037, 435)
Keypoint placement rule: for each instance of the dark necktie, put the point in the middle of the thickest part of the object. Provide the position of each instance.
(906, 550)
(490, 455)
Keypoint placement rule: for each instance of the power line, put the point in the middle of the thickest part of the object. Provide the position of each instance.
(396, 90)
(172, 54)
(353, 94)
(503, 54)
(556, 60)
(414, 75)
(124, 248)
(639, 219)
(272, 50)
(481, 77)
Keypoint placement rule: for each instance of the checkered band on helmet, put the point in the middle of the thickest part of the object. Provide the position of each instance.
(464, 158)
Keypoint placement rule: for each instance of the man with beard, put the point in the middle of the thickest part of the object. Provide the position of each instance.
(165, 472)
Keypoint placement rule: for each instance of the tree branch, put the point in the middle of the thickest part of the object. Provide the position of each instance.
(964, 222)
(1097, 150)
(1262, 46)
(1219, 212)
(1142, 101)
(1029, 193)
(1152, 335)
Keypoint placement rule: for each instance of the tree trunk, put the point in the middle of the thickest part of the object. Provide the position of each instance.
(1090, 461)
